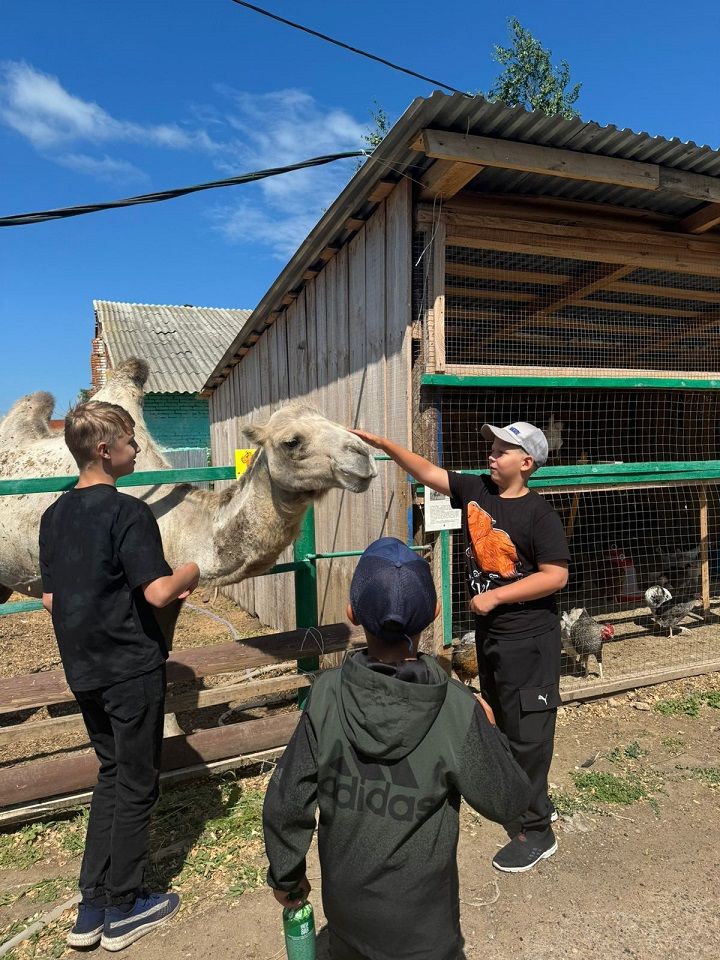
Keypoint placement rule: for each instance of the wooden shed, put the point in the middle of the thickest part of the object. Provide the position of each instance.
(490, 264)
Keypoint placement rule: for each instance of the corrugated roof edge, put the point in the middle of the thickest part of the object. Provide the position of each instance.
(392, 157)
(169, 306)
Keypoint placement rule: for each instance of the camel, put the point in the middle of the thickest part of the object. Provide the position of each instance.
(232, 534)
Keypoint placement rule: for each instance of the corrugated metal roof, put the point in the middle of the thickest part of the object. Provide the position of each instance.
(182, 344)
(394, 158)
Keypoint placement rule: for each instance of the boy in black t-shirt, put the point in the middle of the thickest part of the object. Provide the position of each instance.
(517, 558)
(103, 572)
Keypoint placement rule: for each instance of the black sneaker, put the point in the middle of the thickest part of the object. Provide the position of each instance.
(525, 850)
(88, 926)
(123, 927)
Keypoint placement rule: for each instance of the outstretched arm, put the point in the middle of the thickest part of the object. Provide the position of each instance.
(424, 472)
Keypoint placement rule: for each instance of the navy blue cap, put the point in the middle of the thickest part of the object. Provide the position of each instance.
(392, 593)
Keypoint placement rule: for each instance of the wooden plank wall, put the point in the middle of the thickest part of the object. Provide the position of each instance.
(343, 345)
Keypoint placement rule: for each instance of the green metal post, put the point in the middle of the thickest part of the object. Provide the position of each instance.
(306, 605)
(446, 594)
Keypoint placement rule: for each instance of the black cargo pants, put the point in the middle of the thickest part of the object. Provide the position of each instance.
(125, 726)
(520, 680)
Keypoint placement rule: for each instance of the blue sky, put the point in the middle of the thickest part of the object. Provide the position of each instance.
(101, 100)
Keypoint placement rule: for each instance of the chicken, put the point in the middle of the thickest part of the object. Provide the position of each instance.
(553, 432)
(464, 658)
(583, 636)
(664, 612)
(494, 551)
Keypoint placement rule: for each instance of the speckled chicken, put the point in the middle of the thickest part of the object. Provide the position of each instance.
(464, 658)
(664, 612)
(582, 637)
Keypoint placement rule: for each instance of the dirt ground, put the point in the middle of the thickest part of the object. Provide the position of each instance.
(635, 878)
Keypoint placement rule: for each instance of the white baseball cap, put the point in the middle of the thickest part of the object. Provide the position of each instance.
(525, 435)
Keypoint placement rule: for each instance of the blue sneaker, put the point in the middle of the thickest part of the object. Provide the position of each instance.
(88, 926)
(123, 927)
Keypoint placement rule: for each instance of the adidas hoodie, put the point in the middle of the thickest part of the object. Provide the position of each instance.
(385, 754)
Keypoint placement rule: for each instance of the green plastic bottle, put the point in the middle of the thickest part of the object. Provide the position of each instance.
(299, 929)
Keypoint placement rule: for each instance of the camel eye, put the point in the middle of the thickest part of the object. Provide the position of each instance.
(291, 443)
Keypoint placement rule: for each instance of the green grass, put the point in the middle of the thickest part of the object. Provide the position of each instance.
(599, 787)
(633, 751)
(707, 775)
(688, 706)
(673, 743)
(213, 829)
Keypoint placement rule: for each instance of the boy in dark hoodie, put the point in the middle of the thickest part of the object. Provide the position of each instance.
(386, 748)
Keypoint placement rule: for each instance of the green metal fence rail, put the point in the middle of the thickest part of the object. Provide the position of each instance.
(583, 383)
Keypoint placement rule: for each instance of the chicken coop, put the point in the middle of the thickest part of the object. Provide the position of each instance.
(488, 264)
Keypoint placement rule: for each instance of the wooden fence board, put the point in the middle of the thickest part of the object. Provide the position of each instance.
(49, 687)
(25, 782)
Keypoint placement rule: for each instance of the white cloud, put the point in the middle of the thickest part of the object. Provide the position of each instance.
(249, 132)
(104, 168)
(275, 129)
(39, 108)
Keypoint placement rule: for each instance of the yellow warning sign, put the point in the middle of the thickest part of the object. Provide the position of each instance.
(243, 459)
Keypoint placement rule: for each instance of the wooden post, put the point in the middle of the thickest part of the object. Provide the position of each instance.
(704, 549)
(437, 296)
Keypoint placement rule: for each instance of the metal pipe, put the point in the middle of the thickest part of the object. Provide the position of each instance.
(306, 604)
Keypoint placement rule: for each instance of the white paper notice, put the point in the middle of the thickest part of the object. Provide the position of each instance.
(439, 515)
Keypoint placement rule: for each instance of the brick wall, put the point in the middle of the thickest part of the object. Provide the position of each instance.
(178, 419)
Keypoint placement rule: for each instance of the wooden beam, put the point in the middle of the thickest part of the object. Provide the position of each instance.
(354, 224)
(549, 161)
(646, 309)
(579, 287)
(380, 191)
(568, 164)
(24, 782)
(478, 293)
(669, 293)
(49, 686)
(638, 253)
(703, 219)
(253, 338)
(438, 297)
(444, 179)
(289, 298)
(310, 274)
(329, 252)
(508, 276)
(245, 691)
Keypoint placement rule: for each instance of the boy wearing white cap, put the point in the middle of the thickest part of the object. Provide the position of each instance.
(517, 559)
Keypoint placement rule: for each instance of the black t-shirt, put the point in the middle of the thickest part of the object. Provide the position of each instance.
(506, 538)
(97, 547)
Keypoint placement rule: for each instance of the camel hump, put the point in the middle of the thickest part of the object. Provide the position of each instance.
(27, 419)
(135, 370)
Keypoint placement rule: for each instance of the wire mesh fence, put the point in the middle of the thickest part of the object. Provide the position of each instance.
(483, 313)
(520, 309)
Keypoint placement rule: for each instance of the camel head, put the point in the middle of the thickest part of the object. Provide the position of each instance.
(306, 453)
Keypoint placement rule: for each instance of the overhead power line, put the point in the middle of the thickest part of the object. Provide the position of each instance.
(63, 213)
(346, 46)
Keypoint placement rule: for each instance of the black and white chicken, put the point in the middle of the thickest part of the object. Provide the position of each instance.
(664, 612)
(583, 636)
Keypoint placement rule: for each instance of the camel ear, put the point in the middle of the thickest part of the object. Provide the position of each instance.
(255, 432)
